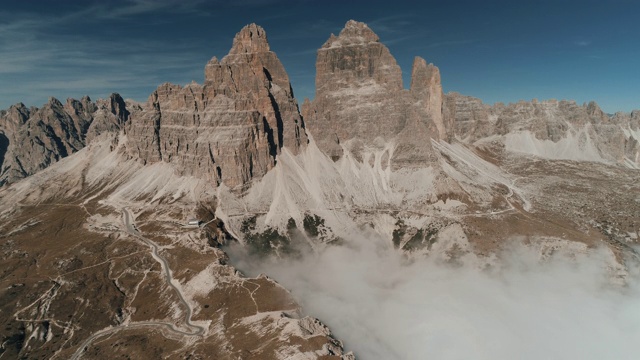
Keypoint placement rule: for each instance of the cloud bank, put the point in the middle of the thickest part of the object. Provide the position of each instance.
(384, 307)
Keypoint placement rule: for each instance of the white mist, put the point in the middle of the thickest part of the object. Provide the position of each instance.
(385, 308)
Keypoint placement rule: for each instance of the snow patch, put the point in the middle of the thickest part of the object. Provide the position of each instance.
(201, 284)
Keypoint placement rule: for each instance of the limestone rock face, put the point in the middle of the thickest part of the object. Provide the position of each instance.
(32, 139)
(81, 113)
(355, 58)
(253, 76)
(360, 101)
(548, 120)
(630, 125)
(557, 120)
(229, 130)
(426, 86)
(470, 117)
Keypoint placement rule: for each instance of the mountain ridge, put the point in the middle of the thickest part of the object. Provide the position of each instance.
(447, 115)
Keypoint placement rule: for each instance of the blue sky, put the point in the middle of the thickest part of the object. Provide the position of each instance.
(495, 50)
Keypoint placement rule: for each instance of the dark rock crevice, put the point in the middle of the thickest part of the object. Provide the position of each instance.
(60, 150)
(4, 145)
(273, 147)
(156, 133)
(119, 108)
(279, 122)
(276, 109)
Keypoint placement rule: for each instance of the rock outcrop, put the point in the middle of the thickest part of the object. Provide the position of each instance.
(229, 130)
(471, 119)
(32, 139)
(361, 103)
(630, 125)
(426, 87)
(110, 116)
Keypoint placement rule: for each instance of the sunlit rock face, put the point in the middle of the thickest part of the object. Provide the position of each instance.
(229, 130)
(360, 101)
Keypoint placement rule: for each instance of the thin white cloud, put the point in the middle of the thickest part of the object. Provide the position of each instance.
(137, 7)
(395, 24)
(438, 44)
(397, 28)
(39, 62)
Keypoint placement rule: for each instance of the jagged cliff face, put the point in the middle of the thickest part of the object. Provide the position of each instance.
(426, 87)
(470, 116)
(630, 124)
(360, 101)
(230, 130)
(32, 139)
(254, 77)
(110, 116)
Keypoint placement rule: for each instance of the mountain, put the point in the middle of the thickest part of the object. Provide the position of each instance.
(232, 128)
(33, 139)
(560, 130)
(95, 196)
(360, 100)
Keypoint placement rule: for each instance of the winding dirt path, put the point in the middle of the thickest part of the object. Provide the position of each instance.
(194, 330)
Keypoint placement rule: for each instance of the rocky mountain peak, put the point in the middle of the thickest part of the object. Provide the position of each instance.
(251, 39)
(53, 102)
(423, 75)
(16, 114)
(263, 64)
(19, 105)
(83, 105)
(594, 111)
(241, 117)
(356, 59)
(426, 87)
(353, 33)
(360, 99)
(118, 107)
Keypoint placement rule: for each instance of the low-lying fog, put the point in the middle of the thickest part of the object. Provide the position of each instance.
(384, 307)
